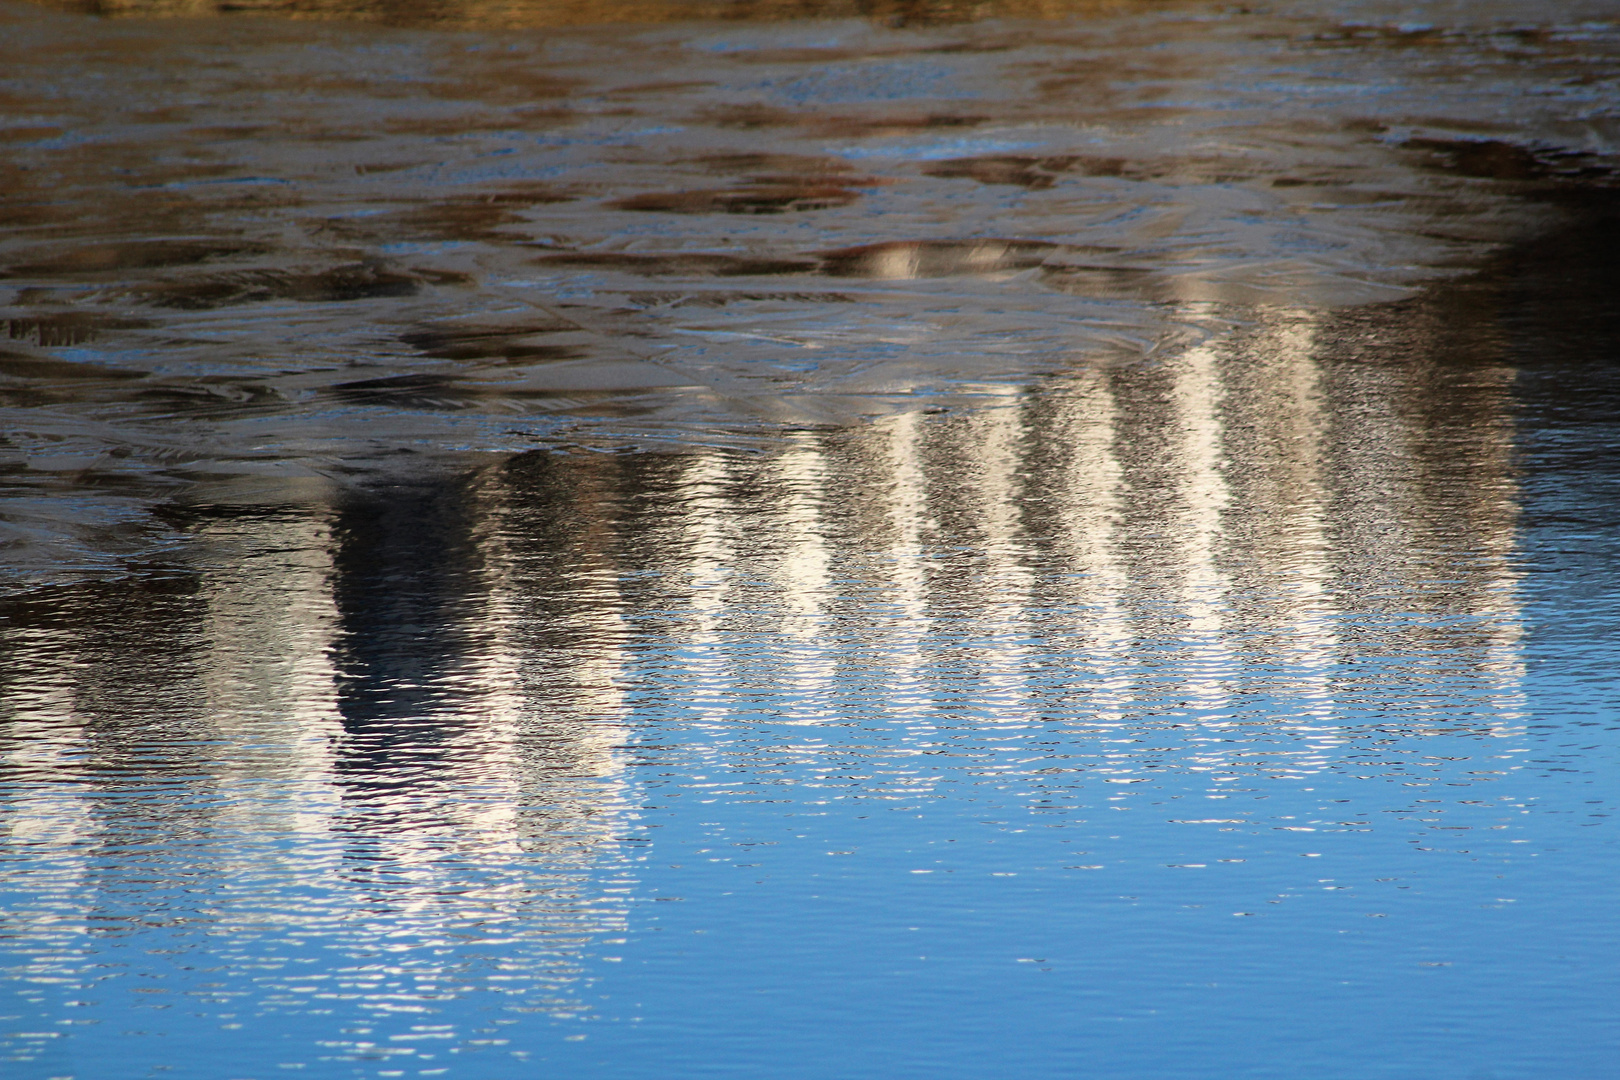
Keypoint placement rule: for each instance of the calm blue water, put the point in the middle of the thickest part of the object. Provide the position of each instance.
(1244, 704)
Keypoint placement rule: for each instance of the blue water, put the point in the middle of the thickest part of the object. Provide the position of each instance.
(953, 746)
(1234, 694)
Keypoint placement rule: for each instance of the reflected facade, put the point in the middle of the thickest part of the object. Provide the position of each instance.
(409, 750)
(413, 708)
(864, 548)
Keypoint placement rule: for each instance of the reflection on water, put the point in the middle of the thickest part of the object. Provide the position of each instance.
(810, 550)
(380, 806)
(318, 764)
(542, 13)
(315, 256)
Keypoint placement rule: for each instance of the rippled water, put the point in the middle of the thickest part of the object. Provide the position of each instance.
(661, 550)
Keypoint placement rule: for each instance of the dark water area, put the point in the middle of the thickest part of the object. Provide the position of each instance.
(538, 549)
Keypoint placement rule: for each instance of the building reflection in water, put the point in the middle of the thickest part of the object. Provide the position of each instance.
(362, 735)
(396, 726)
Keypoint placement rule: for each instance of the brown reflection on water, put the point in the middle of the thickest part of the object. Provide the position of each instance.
(268, 242)
(540, 13)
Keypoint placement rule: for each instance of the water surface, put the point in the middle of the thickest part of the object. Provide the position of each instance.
(663, 550)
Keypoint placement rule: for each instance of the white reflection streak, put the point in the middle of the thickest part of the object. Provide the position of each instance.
(1204, 493)
(270, 685)
(1497, 599)
(803, 573)
(709, 555)
(907, 492)
(1295, 415)
(1092, 495)
(48, 737)
(1504, 657)
(593, 706)
(486, 754)
(1008, 580)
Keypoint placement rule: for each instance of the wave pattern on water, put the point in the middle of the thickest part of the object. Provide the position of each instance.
(423, 769)
(279, 264)
(809, 548)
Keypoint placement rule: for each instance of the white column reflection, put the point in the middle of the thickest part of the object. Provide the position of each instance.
(1198, 458)
(901, 489)
(798, 479)
(992, 451)
(48, 830)
(700, 545)
(269, 687)
(1087, 494)
(1186, 539)
(1291, 588)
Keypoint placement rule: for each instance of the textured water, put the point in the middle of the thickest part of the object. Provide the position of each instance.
(547, 550)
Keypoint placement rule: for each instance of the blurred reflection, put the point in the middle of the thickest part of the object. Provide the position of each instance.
(1200, 530)
(329, 732)
(376, 509)
(519, 13)
(394, 724)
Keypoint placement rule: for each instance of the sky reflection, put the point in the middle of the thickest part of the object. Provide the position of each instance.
(421, 771)
(809, 549)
